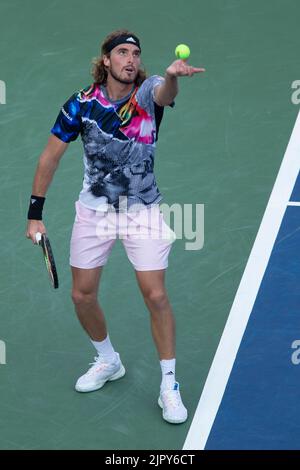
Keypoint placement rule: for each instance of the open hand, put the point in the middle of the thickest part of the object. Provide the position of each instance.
(179, 68)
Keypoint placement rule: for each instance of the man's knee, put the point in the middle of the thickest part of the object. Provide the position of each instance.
(156, 297)
(83, 298)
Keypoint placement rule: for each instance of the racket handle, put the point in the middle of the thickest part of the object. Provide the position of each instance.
(38, 237)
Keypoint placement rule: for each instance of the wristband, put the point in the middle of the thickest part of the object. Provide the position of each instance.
(35, 207)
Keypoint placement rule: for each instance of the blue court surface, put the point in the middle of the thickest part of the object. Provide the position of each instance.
(259, 409)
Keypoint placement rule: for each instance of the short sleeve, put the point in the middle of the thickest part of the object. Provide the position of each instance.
(159, 81)
(146, 91)
(68, 123)
(156, 81)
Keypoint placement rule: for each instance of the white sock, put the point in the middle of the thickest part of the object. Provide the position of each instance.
(105, 350)
(168, 373)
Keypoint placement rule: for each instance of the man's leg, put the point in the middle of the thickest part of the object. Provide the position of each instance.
(152, 285)
(84, 296)
(107, 365)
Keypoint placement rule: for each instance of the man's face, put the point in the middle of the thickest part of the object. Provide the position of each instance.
(123, 63)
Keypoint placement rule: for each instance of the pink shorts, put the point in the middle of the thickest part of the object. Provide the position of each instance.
(145, 235)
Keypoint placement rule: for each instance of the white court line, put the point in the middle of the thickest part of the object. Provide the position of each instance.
(245, 297)
(293, 203)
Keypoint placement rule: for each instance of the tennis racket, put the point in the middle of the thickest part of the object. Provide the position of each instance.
(44, 242)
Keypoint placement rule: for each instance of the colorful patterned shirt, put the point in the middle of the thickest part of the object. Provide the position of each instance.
(119, 144)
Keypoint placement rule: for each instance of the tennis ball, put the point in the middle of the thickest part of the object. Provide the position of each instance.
(182, 51)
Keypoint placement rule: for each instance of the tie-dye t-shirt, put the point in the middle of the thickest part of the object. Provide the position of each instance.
(119, 143)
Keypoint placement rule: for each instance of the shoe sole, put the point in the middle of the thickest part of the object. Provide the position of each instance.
(118, 375)
(172, 421)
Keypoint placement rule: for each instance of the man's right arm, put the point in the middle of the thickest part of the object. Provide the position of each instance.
(47, 165)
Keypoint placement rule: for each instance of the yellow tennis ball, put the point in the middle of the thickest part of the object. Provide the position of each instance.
(182, 51)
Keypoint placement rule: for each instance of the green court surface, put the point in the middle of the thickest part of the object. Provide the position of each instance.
(220, 146)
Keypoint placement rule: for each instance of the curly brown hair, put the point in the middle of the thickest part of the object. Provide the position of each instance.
(99, 71)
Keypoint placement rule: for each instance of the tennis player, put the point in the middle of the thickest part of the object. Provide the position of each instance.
(118, 118)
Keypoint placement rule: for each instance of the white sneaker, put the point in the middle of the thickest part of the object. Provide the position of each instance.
(99, 373)
(170, 401)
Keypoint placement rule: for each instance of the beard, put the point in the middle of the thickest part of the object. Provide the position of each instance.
(125, 81)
